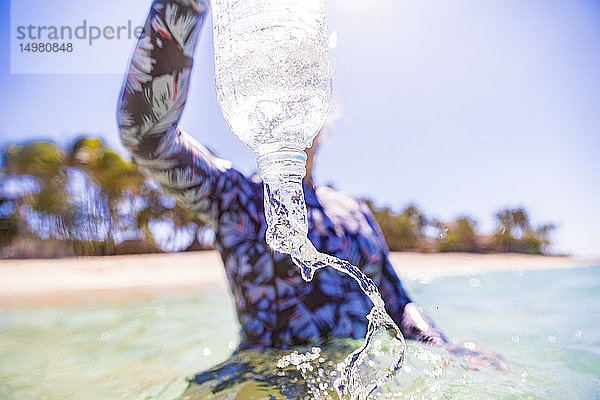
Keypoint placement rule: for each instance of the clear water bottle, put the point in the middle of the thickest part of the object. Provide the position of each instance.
(273, 79)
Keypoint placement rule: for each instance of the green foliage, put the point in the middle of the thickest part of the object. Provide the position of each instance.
(45, 163)
(43, 160)
(401, 231)
(459, 235)
(514, 233)
(405, 232)
(109, 213)
(107, 168)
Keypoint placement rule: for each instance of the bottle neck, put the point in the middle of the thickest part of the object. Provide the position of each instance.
(287, 163)
(285, 209)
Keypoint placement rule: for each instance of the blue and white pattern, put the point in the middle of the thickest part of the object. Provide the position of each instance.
(275, 307)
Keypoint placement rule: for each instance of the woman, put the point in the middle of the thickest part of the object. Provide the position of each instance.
(275, 307)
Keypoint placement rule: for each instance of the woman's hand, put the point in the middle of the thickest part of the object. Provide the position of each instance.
(477, 357)
(417, 325)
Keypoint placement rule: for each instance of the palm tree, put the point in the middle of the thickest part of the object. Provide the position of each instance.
(118, 180)
(514, 233)
(45, 163)
(122, 184)
(459, 235)
(402, 231)
(160, 208)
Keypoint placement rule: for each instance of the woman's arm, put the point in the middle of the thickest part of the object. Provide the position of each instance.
(152, 100)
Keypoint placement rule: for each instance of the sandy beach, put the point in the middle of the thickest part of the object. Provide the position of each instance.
(31, 283)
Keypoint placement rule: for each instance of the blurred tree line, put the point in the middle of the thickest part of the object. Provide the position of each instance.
(513, 232)
(87, 200)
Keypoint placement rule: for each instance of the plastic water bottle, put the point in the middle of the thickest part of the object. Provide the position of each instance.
(273, 79)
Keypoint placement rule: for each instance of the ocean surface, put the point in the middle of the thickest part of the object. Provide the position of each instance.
(546, 325)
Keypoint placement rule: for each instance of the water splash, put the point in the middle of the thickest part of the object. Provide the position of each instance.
(382, 353)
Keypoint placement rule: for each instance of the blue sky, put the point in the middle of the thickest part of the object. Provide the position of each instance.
(462, 107)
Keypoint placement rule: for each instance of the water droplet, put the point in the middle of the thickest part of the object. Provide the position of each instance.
(206, 351)
(470, 346)
(104, 336)
(475, 282)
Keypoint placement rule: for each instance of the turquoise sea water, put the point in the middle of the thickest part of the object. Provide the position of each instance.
(546, 325)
